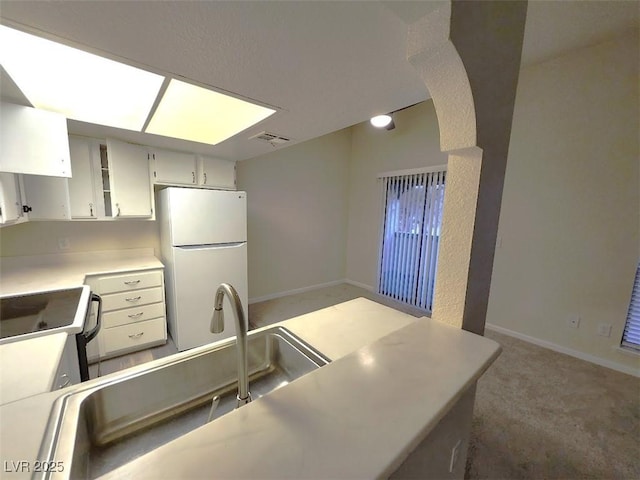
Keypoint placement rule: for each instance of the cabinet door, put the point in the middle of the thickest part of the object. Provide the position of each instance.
(10, 202)
(173, 168)
(46, 198)
(130, 183)
(33, 141)
(214, 172)
(82, 188)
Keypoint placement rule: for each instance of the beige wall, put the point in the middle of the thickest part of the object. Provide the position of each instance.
(569, 228)
(414, 143)
(40, 238)
(297, 219)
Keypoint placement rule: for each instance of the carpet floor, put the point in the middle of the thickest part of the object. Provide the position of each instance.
(540, 414)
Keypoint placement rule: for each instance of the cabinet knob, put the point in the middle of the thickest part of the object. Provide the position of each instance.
(91, 209)
(193, 177)
(136, 335)
(204, 175)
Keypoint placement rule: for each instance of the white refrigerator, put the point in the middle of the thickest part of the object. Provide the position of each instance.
(203, 236)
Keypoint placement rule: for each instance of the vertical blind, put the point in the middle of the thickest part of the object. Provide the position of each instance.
(411, 236)
(631, 335)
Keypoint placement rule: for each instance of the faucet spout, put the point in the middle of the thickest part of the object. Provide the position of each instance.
(217, 326)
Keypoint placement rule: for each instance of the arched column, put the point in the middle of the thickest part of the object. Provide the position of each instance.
(468, 55)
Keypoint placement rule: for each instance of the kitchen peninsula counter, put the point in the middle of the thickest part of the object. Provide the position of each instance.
(392, 379)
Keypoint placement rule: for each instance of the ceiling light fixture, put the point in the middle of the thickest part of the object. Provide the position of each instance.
(90, 88)
(79, 85)
(194, 113)
(383, 121)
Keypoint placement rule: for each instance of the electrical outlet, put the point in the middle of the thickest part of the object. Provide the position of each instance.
(455, 452)
(573, 320)
(63, 243)
(604, 329)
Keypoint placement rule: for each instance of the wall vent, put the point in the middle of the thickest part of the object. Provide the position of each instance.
(272, 138)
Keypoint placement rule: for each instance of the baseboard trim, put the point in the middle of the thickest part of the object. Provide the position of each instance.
(358, 284)
(273, 296)
(567, 351)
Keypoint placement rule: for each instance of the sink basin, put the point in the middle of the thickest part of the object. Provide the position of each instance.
(96, 429)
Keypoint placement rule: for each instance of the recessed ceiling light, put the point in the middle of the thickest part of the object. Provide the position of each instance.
(80, 85)
(381, 121)
(194, 113)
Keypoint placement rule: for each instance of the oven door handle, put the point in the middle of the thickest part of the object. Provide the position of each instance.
(90, 335)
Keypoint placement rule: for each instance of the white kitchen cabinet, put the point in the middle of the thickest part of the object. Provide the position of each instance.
(10, 200)
(216, 173)
(85, 190)
(133, 312)
(129, 180)
(33, 141)
(45, 198)
(173, 168)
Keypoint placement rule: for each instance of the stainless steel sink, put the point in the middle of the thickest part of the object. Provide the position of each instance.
(96, 429)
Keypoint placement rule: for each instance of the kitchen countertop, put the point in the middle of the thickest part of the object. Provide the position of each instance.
(37, 359)
(37, 273)
(360, 416)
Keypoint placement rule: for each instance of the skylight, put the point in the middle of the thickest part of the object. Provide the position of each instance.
(79, 85)
(194, 113)
(90, 88)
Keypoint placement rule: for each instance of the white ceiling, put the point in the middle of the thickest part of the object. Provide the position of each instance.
(324, 65)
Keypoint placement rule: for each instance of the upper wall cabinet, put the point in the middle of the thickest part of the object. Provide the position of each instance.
(10, 201)
(86, 182)
(173, 168)
(33, 142)
(46, 198)
(217, 173)
(129, 179)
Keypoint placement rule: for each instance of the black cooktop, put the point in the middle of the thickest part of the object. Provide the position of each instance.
(24, 314)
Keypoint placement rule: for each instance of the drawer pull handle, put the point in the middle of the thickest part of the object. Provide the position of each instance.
(132, 282)
(135, 336)
(136, 315)
(133, 299)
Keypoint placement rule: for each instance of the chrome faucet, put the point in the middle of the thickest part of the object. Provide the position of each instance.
(217, 326)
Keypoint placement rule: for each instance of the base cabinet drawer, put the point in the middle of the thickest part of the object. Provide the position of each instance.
(127, 282)
(134, 336)
(132, 315)
(116, 301)
(133, 312)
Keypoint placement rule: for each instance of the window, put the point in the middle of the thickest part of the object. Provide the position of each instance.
(411, 235)
(631, 335)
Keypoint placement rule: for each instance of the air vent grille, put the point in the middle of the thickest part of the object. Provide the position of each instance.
(271, 138)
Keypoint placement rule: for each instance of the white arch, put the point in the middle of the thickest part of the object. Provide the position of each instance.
(468, 55)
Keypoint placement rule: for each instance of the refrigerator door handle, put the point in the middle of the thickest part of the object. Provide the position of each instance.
(212, 246)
